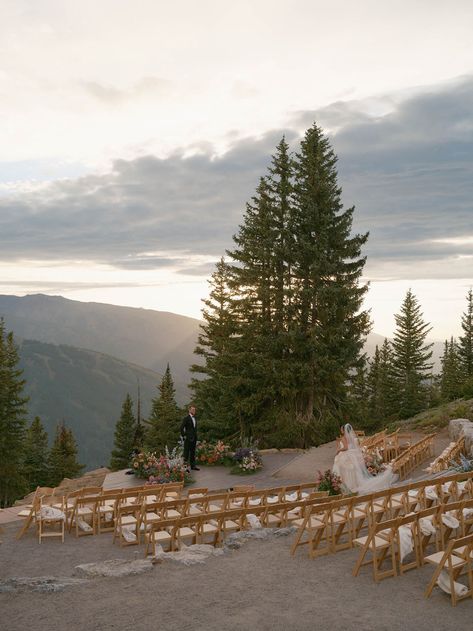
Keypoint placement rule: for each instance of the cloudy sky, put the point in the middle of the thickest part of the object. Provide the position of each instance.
(132, 133)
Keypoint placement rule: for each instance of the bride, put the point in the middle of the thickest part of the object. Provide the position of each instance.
(350, 466)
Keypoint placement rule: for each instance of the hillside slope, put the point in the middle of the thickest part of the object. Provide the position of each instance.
(85, 389)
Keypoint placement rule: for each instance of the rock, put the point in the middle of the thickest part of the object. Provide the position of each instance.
(189, 555)
(468, 433)
(285, 532)
(39, 583)
(114, 568)
(456, 427)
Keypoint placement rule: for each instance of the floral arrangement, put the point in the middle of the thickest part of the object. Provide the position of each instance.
(208, 453)
(168, 467)
(247, 460)
(328, 481)
(465, 465)
(374, 462)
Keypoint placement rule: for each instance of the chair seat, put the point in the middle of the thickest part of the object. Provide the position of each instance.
(152, 517)
(379, 542)
(193, 510)
(209, 528)
(127, 520)
(186, 532)
(312, 523)
(339, 518)
(231, 525)
(214, 508)
(171, 513)
(273, 519)
(85, 510)
(162, 535)
(438, 556)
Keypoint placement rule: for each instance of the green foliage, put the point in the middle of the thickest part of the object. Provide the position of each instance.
(12, 421)
(410, 360)
(451, 382)
(124, 441)
(35, 463)
(465, 342)
(164, 420)
(63, 456)
(283, 327)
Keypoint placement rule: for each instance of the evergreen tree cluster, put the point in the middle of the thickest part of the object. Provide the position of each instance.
(398, 382)
(25, 460)
(284, 326)
(159, 431)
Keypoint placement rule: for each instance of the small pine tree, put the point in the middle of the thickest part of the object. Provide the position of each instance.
(381, 393)
(410, 363)
(36, 455)
(12, 421)
(451, 376)
(63, 456)
(164, 420)
(124, 441)
(465, 343)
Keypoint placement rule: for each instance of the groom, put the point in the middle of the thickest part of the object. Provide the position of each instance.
(189, 434)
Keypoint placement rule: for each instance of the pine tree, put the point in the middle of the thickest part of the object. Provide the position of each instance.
(465, 344)
(410, 364)
(139, 439)
(218, 388)
(164, 420)
(35, 461)
(12, 421)
(381, 390)
(358, 396)
(63, 456)
(124, 440)
(288, 303)
(330, 326)
(451, 377)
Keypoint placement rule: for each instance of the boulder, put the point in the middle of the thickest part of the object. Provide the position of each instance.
(189, 555)
(456, 427)
(114, 568)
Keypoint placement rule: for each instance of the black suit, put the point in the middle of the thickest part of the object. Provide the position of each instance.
(189, 433)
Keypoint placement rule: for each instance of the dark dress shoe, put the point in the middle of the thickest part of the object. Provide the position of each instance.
(195, 468)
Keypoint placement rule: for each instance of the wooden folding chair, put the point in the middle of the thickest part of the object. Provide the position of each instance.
(314, 530)
(447, 530)
(50, 518)
(341, 524)
(127, 519)
(83, 516)
(430, 533)
(408, 527)
(163, 533)
(381, 543)
(455, 559)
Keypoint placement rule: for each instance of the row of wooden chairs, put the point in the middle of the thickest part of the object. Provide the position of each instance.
(413, 457)
(333, 525)
(449, 454)
(131, 522)
(430, 526)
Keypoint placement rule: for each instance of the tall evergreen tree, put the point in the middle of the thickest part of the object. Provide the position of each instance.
(451, 381)
(289, 301)
(63, 461)
(381, 390)
(36, 455)
(330, 325)
(465, 342)
(12, 421)
(410, 364)
(124, 440)
(164, 420)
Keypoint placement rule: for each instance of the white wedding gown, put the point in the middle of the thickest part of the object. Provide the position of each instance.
(350, 466)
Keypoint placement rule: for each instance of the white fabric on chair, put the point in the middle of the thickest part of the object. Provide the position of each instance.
(443, 582)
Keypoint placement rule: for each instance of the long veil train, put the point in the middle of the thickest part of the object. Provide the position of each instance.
(350, 466)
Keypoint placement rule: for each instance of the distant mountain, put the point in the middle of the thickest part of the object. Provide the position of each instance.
(85, 389)
(141, 336)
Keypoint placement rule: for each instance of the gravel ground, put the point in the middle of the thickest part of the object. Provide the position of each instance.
(259, 586)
